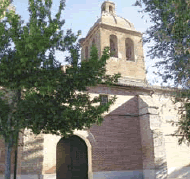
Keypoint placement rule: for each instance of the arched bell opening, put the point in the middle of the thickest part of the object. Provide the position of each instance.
(129, 49)
(93, 42)
(110, 9)
(113, 46)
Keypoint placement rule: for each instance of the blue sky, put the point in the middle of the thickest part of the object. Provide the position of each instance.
(82, 14)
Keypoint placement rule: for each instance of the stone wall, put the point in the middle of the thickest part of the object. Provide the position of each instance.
(153, 144)
(134, 69)
(162, 156)
(88, 43)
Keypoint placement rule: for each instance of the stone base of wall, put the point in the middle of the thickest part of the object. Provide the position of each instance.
(173, 173)
(118, 175)
(92, 175)
(149, 174)
(49, 176)
(179, 172)
(3, 176)
(29, 176)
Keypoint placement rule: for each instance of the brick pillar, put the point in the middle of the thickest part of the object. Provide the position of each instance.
(152, 140)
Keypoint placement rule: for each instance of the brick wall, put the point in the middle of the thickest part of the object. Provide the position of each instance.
(118, 142)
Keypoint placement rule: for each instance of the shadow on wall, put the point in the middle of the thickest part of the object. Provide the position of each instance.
(32, 157)
(160, 168)
(183, 173)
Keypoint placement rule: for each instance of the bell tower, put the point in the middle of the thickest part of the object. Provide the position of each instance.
(124, 41)
(108, 7)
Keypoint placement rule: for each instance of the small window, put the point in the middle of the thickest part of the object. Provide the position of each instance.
(104, 99)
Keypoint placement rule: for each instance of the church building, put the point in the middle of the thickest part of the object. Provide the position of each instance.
(134, 139)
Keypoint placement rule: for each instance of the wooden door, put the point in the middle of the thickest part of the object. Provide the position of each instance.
(63, 159)
(79, 160)
(72, 161)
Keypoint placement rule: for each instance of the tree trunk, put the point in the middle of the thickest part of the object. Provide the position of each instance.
(15, 164)
(8, 148)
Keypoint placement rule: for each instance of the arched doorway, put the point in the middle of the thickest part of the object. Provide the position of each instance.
(71, 159)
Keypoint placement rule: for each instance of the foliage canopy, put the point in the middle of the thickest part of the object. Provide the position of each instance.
(36, 93)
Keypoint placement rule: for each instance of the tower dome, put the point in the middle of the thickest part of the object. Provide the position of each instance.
(108, 16)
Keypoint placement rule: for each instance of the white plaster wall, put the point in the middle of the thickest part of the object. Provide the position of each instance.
(178, 156)
(50, 143)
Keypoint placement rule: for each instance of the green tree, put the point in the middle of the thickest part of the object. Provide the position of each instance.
(36, 93)
(4, 5)
(170, 33)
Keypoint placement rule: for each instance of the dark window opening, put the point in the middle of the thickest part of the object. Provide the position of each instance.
(129, 48)
(113, 46)
(86, 53)
(103, 8)
(93, 42)
(104, 99)
(110, 9)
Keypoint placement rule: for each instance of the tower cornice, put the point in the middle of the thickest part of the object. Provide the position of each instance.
(109, 27)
